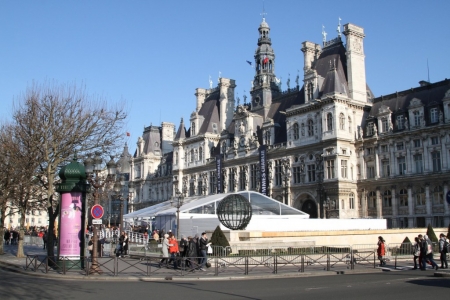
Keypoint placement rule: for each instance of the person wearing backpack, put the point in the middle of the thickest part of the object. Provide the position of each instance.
(443, 249)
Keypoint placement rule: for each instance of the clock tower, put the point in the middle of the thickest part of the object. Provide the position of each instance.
(264, 85)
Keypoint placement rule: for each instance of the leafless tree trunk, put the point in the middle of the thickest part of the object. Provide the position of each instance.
(58, 121)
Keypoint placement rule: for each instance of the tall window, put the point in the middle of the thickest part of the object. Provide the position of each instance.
(311, 173)
(370, 172)
(436, 158)
(192, 155)
(384, 125)
(420, 196)
(212, 182)
(329, 122)
(370, 130)
(351, 200)
(434, 115)
(231, 180)
(418, 164)
(403, 197)
(400, 122)
(330, 169)
(372, 197)
(416, 115)
(193, 128)
(434, 140)
(191, 188)
(438, 195)
(253, 176)
(386, 169)
(200, 154)
(417, 143)
(401, 166)
(296, 171)
(341, 121)
(344, 168)
(310, 128)
(310, 91)
(267, 137)
(387, 199)
(296, 131)
(176, 158)
(349, 124)
(137, 171)
(278, 167)
(242, 178)
(199, 187)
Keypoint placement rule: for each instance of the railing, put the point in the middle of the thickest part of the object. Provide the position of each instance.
(145, 259)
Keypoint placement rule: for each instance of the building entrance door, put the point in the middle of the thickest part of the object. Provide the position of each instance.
(310, 207)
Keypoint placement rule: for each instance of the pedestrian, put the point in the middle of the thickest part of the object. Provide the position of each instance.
(125, 243)
(156, 236)
(165, 250)
(119, 247)
(381, 251)
(416, 253)
(91, 246)
(174, 251)
(427, 247)
(443, 249)
(191, 254)
(183, 246)
(45, 238)
(7, 236)
(203, 247)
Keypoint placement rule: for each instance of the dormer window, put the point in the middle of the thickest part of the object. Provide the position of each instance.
(434, 115)
(296, 131)
(267, 137)
(416, 115)
(400, 122)
(370, 129)
(310, 128)
(310, 91)
(193, 128)
(384, 125)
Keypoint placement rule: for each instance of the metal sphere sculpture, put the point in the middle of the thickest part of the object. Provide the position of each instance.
(234, 212)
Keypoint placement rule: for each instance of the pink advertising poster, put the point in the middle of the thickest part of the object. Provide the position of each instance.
(70, 227)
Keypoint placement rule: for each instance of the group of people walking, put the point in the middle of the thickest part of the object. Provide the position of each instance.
(193, 251)
(422, 252)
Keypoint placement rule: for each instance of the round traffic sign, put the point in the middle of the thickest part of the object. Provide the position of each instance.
(97, 211)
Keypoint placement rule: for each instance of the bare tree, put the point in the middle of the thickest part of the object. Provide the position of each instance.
(21, 187)
(58, 121)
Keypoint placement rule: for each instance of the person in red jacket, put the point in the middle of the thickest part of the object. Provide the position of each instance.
(381, 251)
(174, 251)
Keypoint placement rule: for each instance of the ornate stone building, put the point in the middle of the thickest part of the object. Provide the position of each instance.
(333, 149)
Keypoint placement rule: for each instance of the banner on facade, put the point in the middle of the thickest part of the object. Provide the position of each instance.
(219, 173)
(71, 224)
(263, 169)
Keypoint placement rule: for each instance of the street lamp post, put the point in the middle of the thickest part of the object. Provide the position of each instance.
(130, 194)
(93, 168)
(177, 202)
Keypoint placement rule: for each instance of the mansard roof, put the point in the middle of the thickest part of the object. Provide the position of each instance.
(210, 112)
(333, 54)
(181, 133)
(279, 104)
(152, 139)
(428, 94)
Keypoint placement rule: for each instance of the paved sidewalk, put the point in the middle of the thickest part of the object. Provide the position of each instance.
(137, 270)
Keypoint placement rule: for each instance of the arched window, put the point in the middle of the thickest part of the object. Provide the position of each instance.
(329, 121)
(176, 158)
(349, 124)
(372, 199)
(296, 131)
(192, 155)
(193, 128)
(420, 196)
(438, 195)
(416, 115)
(341, 121)
(200, 154)
(310, 128)
(403, 197)
(387, 198)
(196, 154)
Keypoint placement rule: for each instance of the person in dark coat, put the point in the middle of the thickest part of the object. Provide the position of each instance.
(7, 236)
(191, 254)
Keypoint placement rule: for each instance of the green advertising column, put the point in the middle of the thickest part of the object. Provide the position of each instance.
(72, 215)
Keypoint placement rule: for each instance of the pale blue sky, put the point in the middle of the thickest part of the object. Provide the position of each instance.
(154, 54)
